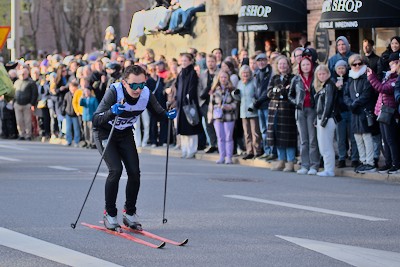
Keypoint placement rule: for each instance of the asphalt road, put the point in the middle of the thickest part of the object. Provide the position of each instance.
(232, 215)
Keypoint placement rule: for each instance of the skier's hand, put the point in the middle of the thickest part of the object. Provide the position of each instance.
(117, 109)
(171, 114)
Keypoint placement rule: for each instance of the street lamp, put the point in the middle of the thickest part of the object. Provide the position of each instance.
(14, 44)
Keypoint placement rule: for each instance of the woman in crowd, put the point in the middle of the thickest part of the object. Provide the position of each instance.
(58, 92)
(357, 96)
(389, 130)
(245, 93)
(328, 114)
(301, 95)
(229, 68)
(383, 63)
(282, 131)
(222, 111)
(186, 93)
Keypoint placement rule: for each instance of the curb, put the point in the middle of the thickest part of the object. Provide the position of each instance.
(345, 172)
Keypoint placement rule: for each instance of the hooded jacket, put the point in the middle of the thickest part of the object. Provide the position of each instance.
(335, 58)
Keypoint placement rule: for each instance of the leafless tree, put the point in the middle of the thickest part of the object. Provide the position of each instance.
(53, 8)
(33, 7)
(114, 18)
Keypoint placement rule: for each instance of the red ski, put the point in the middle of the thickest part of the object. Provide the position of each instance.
(154, 236)
(124, 235)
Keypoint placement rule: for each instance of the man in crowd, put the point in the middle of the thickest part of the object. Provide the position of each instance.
(368, 48)
(343, 53)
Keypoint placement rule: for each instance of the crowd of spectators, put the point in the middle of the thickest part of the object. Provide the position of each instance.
(251, 104)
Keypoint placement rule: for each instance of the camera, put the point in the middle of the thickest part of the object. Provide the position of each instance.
(251, 108)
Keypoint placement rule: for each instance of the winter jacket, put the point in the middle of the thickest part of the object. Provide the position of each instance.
(385, 90)
(26, 92)
(89, 105)
(203, 89)
(297, 93)
(262, 80)
(218, 98)
(360, 105)
(67, 108)
(327, 103)
(247, 92)
(335, 58)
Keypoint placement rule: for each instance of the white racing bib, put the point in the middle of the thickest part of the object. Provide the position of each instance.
(127, 122)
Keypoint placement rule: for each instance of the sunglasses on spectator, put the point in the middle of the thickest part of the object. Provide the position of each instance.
(135, 86)
(357, 64)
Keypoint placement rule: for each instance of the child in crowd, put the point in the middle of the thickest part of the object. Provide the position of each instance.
(89, 103)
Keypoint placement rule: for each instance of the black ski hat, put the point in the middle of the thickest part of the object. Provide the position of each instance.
(311, 53)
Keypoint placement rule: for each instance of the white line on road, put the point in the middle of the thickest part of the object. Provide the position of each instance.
(356, 256)
(8, 159)
(48, 251)
(301, 207)
(62, 168)
(15, 147)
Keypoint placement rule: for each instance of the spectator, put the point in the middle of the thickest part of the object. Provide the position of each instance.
(243, 57)
(204, 87)
(89, 104)
(162, 71)
(109, 37)
(269, 47)
(229, 68)
(383, 63)
(158, 136)
(253, 64)
(218, 53)
(26, 95)
(328, 115)
(262, 80)
(282, 132)
(72, 122)
(389, 130)
(301, 95)
(296, 58)
(344, 128)
(186, 85)
(357, 96)
(149, 56)
(343, 53)
(222, 113)
(368, 48)
(245, 92)
(181, 17)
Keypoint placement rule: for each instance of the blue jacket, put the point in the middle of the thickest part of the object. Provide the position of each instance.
(335, 58)
(89, 107)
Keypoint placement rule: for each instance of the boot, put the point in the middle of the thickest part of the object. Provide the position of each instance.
(289, 167)
(110, 222)
(131, 221)
(278, 166)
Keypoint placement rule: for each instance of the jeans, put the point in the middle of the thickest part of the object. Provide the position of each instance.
(263, 119)
(72, 125)
(389, 135)
(145, 119)
(309, 152)
(343, 131)
(177, 17)
(286, 153)
(192, 11)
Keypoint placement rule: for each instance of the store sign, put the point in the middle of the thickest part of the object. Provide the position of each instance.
(353, 14)
(4, 31)
(268, 15)
(321, 39)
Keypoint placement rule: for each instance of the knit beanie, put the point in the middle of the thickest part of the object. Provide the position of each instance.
(341, 63)
(345, 41)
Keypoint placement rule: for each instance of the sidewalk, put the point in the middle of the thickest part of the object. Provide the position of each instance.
(345, 172)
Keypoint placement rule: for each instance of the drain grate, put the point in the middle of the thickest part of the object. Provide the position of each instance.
(235, 180)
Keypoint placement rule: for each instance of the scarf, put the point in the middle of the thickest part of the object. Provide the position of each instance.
(355, 75)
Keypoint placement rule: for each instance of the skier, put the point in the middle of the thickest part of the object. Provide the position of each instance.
(127, 100)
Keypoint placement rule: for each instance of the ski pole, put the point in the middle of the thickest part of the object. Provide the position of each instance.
(73, 225)
(166, 170)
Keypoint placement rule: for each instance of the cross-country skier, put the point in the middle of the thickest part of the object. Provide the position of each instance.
(127, 100)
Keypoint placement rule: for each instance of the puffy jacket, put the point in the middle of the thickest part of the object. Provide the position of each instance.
(327, 103)
(297, 93)
(385, 90)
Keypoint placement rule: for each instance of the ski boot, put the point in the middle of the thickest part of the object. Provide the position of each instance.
(111, 223)
(131, 221)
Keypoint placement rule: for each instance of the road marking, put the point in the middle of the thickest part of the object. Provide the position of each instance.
(356, 256)
(301, 207)
(62, 168)
(48, 251)
(9, 159)
(15, 147)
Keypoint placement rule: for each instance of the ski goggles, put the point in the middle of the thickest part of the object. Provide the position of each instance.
(135, 86)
